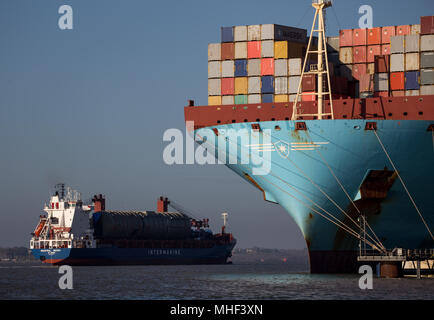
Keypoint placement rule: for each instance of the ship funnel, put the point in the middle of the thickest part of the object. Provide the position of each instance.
(162, 204)
(99, 202)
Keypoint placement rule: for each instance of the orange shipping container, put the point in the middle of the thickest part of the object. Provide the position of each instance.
(359, 37)
(397, 81)
(372, 52)
(228, 51)
(228, 86)
(385, 49)
(403, 30)
(358, 70)
(253, 49)
(267, 67)
(359, 54)
(386, 33)
(346, 38)
(308, 96)
(374, 36)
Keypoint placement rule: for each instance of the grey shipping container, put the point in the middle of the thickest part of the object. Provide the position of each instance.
(293, 84)
(412, 92)
(426, 76)
(254, 67)
(291, 97)
(281, 67)
(240, 33)
(254, 98)
(267, 49)
(412, 61)
(427, 90)
(381, 82)
(397, 44)
(141, 225)
(427, 42)
(254, 33)
(214, 69)
(228, 68)
(294, 66)
(427, 60)
(228, 100)
(333, 44)
(214, 52)
(254, 85)
(412, 43)
(397, 62)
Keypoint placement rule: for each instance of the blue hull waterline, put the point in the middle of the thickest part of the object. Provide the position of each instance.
(301, 179)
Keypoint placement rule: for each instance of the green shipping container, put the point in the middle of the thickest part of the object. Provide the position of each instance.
(241, 99)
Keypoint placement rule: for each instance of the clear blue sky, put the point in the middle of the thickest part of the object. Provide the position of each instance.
(88, 107)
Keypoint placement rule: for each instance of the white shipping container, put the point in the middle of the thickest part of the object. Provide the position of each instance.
(214, 51)
(333, 44)
(294, 66)
(214, 88)
(254, 98)
(254, 32)
(267, 32)
(397, 62)
(240, 50)
(254, 67)
(411, 61)
(346, 55)
(214, 69)
(412, 92)
(254, 85)
(267, 49)
(228, 100)
(412, 43)
(293, 84)
(281, 85)
(427, 42)
(228, 68)
(292, 97)
(415, 29)
(240, 33)
(281, 67)
(427, 90)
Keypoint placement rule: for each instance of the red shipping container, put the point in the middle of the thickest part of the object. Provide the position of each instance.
(228, 86)
(427, 25)
(397, 81)
(228, 51)
(374, 36)
(346, 38)
(359, 54)
(308, 83)
(253, 49)
(398, 93)
(386, 33)
(372, 52)
(358, 70)
(366, 83)
(267, 67)
(359, 37)
(385, 49)
(382, 63)
(403, 30)
(308, 97)
(381, 94)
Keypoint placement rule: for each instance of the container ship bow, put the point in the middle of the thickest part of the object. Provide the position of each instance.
(348, 122)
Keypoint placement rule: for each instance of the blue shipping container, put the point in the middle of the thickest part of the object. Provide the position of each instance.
(412, 80)
(267, 98)
(240, 68)
(267, 84)
(227, 34)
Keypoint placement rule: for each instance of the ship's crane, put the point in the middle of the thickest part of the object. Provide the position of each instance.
(195, 221)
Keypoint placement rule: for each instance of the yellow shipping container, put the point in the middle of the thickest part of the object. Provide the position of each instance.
(214, 100)
(281, 50)
(241, 85)
(281, 98)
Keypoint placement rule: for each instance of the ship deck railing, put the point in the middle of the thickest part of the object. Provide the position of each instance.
(397, 255)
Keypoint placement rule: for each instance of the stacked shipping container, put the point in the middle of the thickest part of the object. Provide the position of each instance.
(255, 64)
(262, 63)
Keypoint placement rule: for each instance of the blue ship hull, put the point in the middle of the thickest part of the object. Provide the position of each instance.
(343, 148)
(134, 256)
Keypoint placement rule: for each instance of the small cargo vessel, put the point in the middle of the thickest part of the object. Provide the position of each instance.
(74, 233)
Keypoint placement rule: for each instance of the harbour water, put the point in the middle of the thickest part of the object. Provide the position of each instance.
(233, 281)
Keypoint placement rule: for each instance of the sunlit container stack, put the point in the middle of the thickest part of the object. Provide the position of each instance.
(255, 64)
